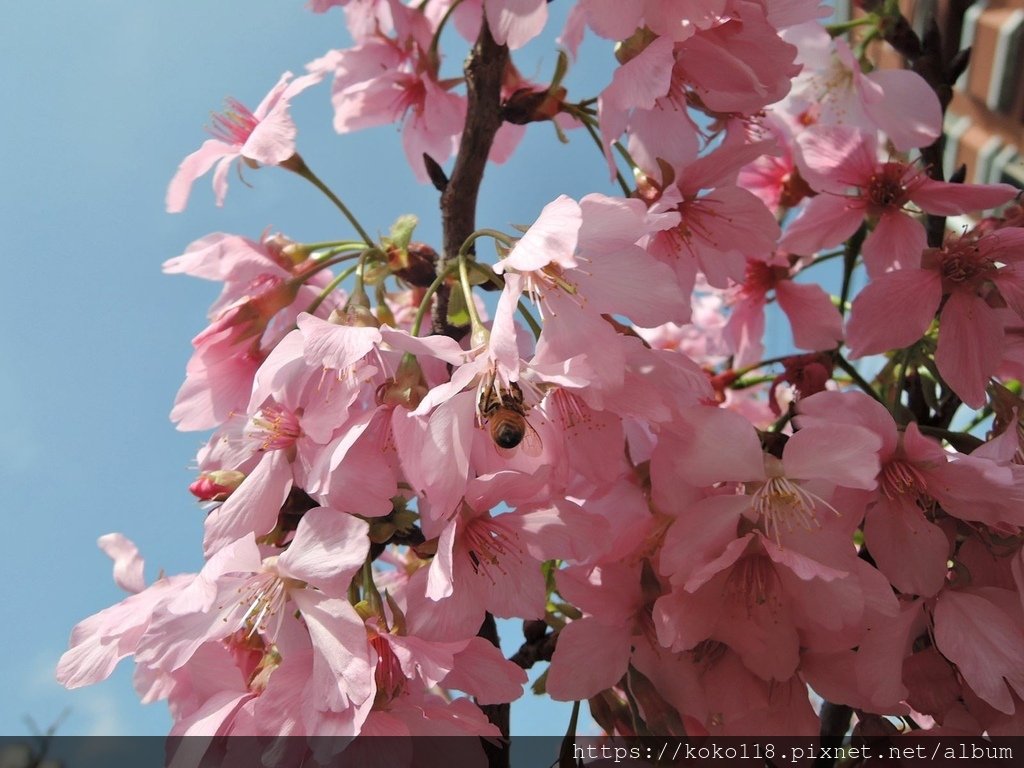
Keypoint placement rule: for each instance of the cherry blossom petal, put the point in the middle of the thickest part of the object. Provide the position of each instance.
(970, 346)
(328, 548)
(613, 19)
(99, 642)
(975, 632)
(827, 220)
(829, 407)
(191, 168)
(128, 564)
(484, 673)
(253, 506)
(337, 347)
(841, 453)
(909, 113)
(875, 327)
(834, 158)
(719, 445)
(816, 323)
(947, 199)
(909, 550)
(551, 238)
(342, 675)
(515, 22)
(590, 656)
(897, 241)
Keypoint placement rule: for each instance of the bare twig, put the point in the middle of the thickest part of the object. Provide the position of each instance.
(483, 70)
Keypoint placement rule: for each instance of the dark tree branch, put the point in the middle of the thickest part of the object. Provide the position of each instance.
(835, 722)
(539, 645)
(498, 756)
(484, 70)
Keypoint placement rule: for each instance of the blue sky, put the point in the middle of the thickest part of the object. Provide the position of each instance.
(102, 100)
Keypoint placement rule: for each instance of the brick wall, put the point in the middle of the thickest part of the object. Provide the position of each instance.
(985, 120)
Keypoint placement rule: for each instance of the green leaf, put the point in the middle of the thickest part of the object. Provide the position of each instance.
(402, 229)
(561, 67)
(540, 685)
(458, 314)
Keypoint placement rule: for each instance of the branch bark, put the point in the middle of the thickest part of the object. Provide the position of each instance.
(484, 69)
(498, 756)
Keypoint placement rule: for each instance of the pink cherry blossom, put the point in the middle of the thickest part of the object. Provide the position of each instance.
(836, 160)
(775, 178)
(833, 90)
(901, 527)
(715, 694)
(385, 80)
(262, 295)
(593, 652)
(710, 225)
(814, 320)
(589, 251)
(733, 67)
(699, 545)
(265, 136)
(964, 278)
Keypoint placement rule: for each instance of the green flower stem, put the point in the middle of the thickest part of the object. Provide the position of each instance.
(841, 27)
(590, 123)
(501, 237)
(467, 292)
(523, 309)
(370, 593)
(752, 382)
(421, 312)
(859, 380)
(850, 255)
(297, 165)
(329, 289)
(334, 246)
(358, 294)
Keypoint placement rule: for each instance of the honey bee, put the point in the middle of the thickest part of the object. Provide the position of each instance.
(504, 414)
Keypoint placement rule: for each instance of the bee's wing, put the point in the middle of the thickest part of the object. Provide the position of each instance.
(531, 445)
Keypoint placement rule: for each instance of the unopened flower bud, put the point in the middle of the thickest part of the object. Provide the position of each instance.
(356, 315)
(481, 338)
(527, 105)
(794, 189)
(649, 188)
(407, 388)
(216, 485)
(279, 247)
(295, 253)
(414, 264)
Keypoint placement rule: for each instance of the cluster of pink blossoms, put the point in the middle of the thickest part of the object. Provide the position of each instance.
(691, 539)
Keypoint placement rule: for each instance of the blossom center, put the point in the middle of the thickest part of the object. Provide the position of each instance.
(886, 187)
(234, 125)
(264, 597)
(783, 503)
(698, 218)
(761, 277)
(274, 428)
(962, 264)
(487, 541)
(900, 478)
(753, 583)
(568, 408)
